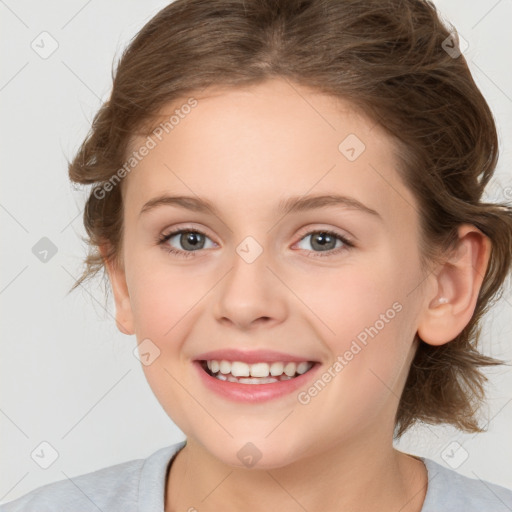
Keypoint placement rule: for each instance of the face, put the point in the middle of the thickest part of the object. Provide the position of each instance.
(336, 284)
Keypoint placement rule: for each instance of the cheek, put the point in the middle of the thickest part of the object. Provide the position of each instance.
(163, 301)
(344, 302)
(161, 297)
(369, 339)
(364, 379)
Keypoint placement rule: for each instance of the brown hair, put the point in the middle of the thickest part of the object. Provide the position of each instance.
(388, 58)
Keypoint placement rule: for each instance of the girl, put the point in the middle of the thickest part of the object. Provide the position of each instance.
(287, 201)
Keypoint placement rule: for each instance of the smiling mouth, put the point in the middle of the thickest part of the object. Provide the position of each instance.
(257, 373)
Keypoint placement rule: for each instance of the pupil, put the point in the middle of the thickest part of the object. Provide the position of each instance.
(323, 240)
(193, 239)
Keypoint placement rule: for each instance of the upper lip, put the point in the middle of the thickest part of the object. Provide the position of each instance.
(250, 356)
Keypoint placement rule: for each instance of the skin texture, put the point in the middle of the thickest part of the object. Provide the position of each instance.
(244, 150)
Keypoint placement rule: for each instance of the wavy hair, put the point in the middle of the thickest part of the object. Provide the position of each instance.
(389, 59)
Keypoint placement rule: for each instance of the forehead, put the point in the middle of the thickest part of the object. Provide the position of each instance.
(252, 147)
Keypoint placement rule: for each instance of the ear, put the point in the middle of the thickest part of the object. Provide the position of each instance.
(116, 274)
(449, 308)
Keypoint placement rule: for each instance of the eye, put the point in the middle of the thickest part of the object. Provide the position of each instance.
(188, 238)
(325, 242)
(193, 240)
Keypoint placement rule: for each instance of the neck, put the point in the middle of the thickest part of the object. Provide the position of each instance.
(361, 475)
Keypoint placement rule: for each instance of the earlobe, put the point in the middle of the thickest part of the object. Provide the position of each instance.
(449, 308)
(117, 278)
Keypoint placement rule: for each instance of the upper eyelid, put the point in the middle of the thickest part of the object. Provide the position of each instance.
(176, 231)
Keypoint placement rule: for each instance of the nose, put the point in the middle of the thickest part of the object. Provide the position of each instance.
(251, 294)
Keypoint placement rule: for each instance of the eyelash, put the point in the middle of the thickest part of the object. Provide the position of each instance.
(190, 254)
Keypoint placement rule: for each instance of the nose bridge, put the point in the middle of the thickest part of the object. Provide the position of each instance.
(249, 273)
(250, 290)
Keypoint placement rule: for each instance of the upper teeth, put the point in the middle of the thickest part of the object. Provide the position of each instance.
(240, 369)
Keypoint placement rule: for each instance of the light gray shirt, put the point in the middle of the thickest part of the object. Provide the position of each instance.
(139, 486)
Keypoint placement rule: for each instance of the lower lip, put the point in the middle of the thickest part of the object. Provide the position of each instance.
(254, 393)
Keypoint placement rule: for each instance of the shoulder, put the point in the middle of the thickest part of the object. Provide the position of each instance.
(90, 491)
(121, 487)
(448, 490)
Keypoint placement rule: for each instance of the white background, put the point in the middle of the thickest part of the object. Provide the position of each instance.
(68, 377)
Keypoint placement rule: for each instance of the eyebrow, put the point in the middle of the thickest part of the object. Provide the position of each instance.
(290, 205)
